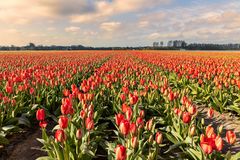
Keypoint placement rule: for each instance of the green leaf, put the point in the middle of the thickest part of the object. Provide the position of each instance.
(45, 158)
(174, 146)
(235, 156)
(23, 120)
(8, 128)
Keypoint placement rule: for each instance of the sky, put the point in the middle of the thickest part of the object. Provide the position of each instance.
(118, 22)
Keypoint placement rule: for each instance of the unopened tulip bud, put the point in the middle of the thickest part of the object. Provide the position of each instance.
(220, 129)
(192, 130)
(159, 137)
(150, 139)
(79, 134)
(203, 121)
(134, 142)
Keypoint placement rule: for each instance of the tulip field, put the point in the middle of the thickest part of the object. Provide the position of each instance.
(122, 105)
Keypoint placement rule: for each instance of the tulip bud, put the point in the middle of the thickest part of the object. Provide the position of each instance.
(149, 124)
(43, 124)
(129, 113)
(89, 123)
(120, 151)
(142, 113)
(230, 137)
(60, 135)
(206, 148)
(40, 114)
(202, 121)
(220, 129)
(133, 128)
(218, 143)
(192, 130)
(150, 139)
(134, 142)
(210, 112)
(118, 118)
(186, 117)
(124, 127)
(159, 137)
(63, 122)
(79, 134)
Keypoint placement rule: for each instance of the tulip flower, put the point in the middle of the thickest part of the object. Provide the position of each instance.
(140, 122)
(60, 135)
(159, 137)
(43, 124)
(133, 128)
(186, 117)
(230, 137)
(118, 118)
(40, 114)
(79, 134)
(120, 151)
(129, 113)
(89, 123)
(124, 127)
(63, 122)
(210, 112)
(218, 143)
(134, 142)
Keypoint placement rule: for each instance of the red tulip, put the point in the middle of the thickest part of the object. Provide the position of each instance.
(124, 127)
(210, 132)
(43, 124)
(133, 99)
(120, 151)
(123, 97)
(231, 137)
(60, 135)
(142, 114)
(118, 118)
(82, 114)
(124, 107)
(79, 134)
(133, 128)
(218, 143)
(134, 142)
(159, 137)
(206, 148)
(40, 114)
(63, 122)
(89, 123)
(210, 112)
(186, 117)
(140, 122)
(129, 113)
(192, 109)
(149, 124)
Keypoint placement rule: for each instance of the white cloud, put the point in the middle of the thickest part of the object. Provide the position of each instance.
(106, 9)
(143, 24)
(110, 26)
(51, 29)
(72, 29)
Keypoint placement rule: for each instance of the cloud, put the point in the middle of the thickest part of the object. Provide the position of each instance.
(143, 24)
(72, 29)
(110, 26)
(106, 9)
(51, 29)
